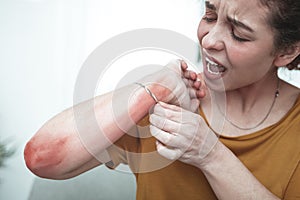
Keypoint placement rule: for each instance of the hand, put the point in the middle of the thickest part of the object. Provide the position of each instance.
(193, 80)
(181, 134)
(178, 89)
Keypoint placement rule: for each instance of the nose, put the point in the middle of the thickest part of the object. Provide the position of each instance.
(213, 39)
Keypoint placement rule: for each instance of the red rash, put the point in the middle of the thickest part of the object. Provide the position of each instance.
(44, 156)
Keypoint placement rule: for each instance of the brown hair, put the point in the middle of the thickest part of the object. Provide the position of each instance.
(284, 18)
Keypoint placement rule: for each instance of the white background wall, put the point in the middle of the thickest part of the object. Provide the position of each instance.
(43, 44)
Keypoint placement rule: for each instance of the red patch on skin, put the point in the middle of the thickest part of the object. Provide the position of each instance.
(45, 155)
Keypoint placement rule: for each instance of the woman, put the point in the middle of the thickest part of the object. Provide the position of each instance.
(257, 153)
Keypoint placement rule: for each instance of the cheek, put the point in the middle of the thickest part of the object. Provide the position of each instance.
(237, 56)
(202, 30)
(248, 65)
(250, 57)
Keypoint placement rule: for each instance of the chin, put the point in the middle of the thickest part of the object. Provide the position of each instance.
(216, 85)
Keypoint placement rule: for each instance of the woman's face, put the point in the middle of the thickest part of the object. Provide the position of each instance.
(237, 43)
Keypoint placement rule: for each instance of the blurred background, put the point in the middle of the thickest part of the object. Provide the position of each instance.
(43, 45)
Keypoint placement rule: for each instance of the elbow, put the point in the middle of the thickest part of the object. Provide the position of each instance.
(32, 160)
(43, 159)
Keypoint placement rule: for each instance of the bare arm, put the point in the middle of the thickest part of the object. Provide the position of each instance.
(75, 140)
(230, 179)
(68, 143)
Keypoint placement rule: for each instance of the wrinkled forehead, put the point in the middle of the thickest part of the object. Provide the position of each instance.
(251, 11)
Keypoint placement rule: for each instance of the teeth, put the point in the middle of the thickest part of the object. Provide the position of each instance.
(214, 68)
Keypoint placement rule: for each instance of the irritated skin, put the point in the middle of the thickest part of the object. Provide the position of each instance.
(50, 154)
(57, 151)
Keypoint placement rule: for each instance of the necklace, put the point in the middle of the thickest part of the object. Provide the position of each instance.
(263, 120)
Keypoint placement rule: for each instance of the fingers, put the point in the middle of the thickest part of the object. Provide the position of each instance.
(159, 109)
(197, 84)
(193, 80)
(170, 153)
(176, 130)
(200, 93)
(183, 65)
(170, 106)
(202, 82)
(192, 84)
(188, 74)
(169, 117)
(166, 117)
(168, 139)
(190, 78)
(163, 123)
(194, 88)
(200, 86)
(192, 93)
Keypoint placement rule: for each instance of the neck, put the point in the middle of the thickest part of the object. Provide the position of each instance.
(248, 107)
(247, 98)
(244, 106)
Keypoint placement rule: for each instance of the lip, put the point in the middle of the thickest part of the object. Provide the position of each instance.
(205, 69)
(212, 59)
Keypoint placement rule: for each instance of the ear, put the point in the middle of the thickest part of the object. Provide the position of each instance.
(283, 58)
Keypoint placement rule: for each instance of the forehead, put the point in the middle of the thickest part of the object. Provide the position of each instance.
(250, 11)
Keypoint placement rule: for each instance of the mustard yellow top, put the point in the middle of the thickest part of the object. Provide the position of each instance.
(271, 154)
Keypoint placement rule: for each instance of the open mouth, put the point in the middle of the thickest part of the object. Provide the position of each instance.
(214, 68)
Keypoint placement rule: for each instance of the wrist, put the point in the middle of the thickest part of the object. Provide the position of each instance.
(161, 92)
(153, 96)
(214, 157)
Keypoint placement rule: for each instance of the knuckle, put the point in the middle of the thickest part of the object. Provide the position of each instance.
(167, 140)
(168, 114)
(180, 128)
(162, 123)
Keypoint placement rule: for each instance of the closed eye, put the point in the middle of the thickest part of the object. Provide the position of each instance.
(237, 38)
(209, 19)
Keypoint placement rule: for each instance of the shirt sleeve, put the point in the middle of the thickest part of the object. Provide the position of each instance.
(117, 156)
(293, 189)
(121, 150)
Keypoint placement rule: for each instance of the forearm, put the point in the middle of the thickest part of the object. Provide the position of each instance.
(79, 134)
(230, 179)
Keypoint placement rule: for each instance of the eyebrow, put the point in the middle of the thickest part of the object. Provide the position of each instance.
(239, 24)
(210, 5)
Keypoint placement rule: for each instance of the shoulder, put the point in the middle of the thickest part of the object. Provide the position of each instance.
(291, 101)
(287, 108)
